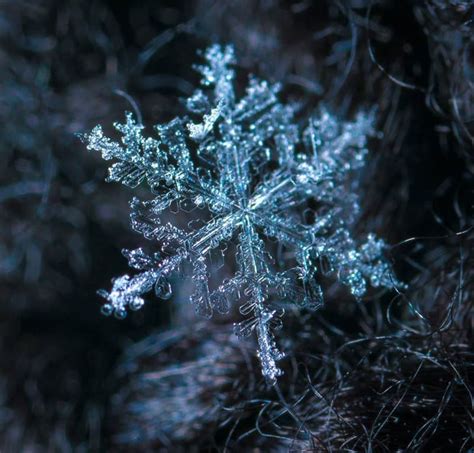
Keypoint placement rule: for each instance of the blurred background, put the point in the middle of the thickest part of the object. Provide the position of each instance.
(391, 373)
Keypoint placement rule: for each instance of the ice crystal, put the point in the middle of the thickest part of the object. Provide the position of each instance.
(263, 180)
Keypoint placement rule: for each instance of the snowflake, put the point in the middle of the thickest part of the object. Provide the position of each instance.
(280, 194)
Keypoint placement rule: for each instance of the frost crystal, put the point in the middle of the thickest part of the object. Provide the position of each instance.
(281, 195)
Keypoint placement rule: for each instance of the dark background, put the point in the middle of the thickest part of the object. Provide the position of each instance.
(71, 379)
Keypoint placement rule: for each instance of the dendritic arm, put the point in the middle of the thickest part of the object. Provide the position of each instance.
(252, 260)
